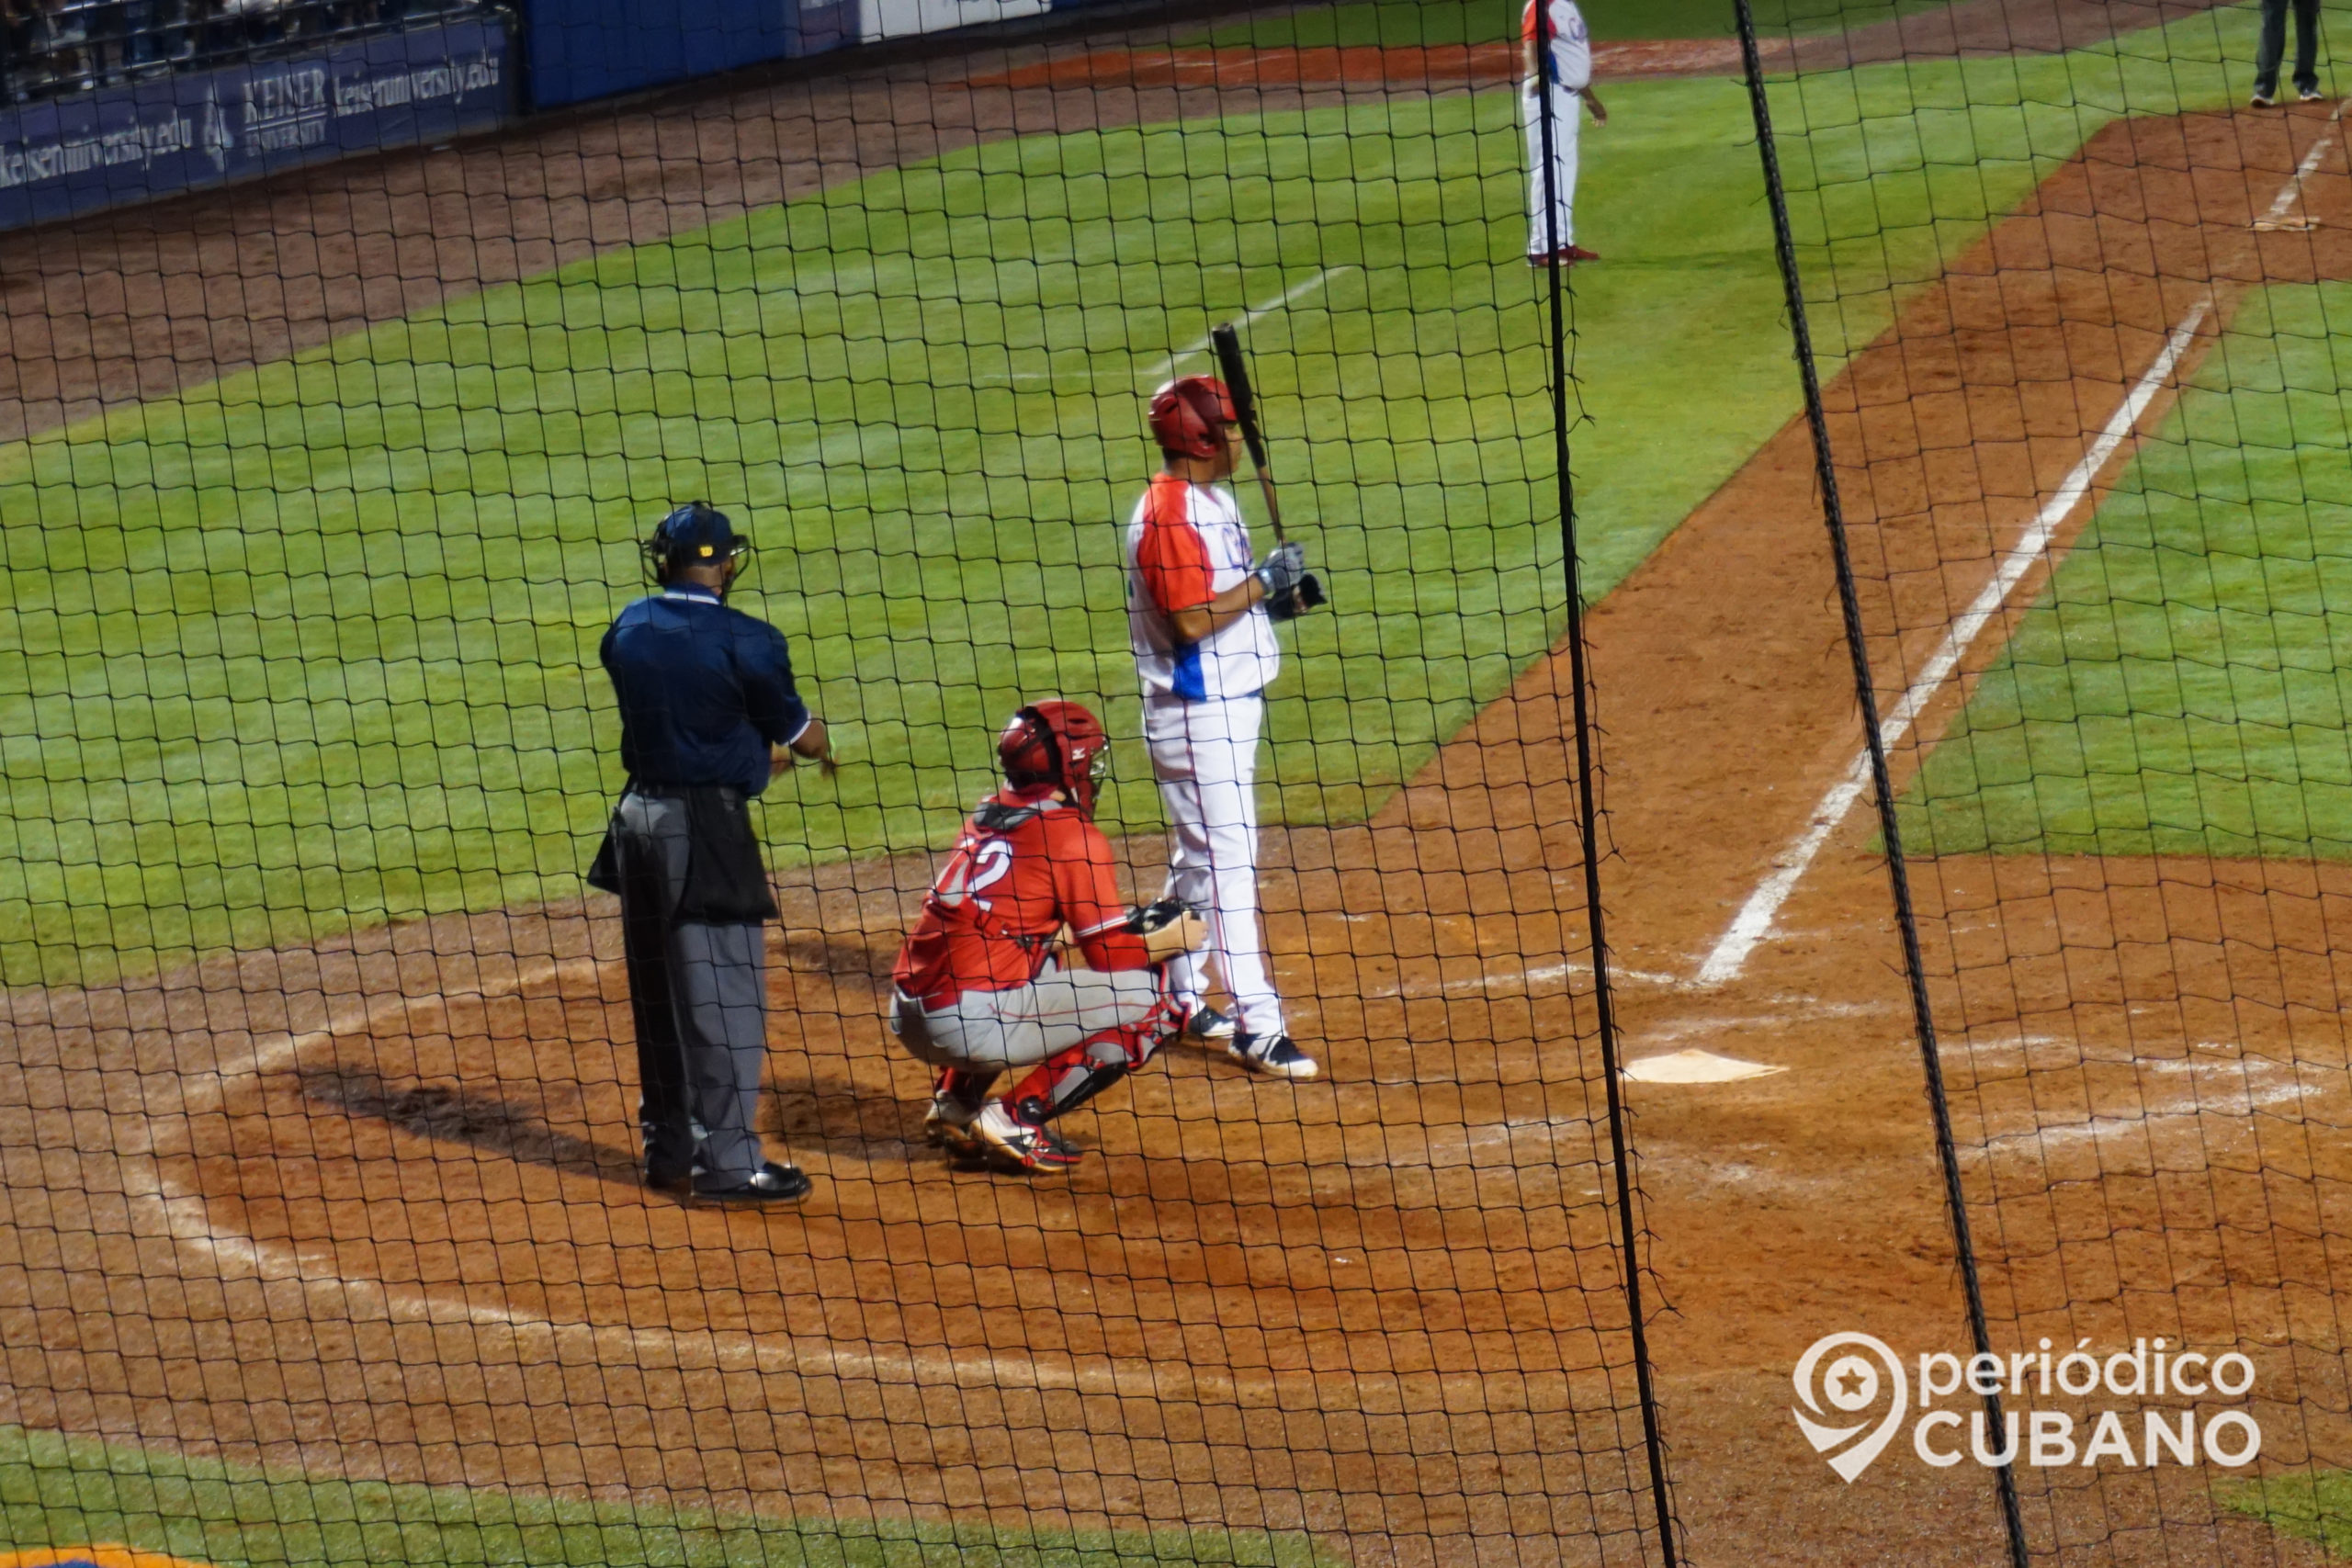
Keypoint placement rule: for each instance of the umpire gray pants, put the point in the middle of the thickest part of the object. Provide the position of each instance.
(700, 997)
(1023, 1025)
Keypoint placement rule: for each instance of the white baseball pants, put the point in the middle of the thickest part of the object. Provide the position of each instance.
(1205, 756)
(1567, 112)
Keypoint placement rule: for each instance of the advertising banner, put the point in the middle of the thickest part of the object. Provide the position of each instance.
(204, 128)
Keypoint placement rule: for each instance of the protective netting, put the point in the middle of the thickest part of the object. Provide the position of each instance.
(326, 1234)
(2073, 275)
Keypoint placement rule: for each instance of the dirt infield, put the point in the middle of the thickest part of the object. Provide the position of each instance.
(1971, 27)
(370, 1206)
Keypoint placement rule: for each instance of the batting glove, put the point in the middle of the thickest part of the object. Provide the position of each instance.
(1282, 569)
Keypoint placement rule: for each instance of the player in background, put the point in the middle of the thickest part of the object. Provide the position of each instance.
(1204, 647)
(1566, 70)
(978, 989)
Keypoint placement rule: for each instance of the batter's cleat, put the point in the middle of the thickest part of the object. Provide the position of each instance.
(947, 1125)
(1203, 1022)
(2261, 101)
(1276, 1056)
(2309, 95)
(1031, 1146)
(772, 1183)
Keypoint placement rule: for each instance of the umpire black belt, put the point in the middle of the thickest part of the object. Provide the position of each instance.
(727, 796)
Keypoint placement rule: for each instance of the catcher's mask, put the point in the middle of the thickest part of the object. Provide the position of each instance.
(696, 534)
(1190, 414)
(1056, 745)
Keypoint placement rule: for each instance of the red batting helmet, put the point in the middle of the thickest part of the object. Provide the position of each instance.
(1190, 414)
(1056, 745)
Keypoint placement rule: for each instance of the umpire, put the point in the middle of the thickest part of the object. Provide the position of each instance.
(708, 715)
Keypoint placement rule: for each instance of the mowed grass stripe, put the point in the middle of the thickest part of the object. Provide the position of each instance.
(2183, 686)
(62, 1491)
(316, 644)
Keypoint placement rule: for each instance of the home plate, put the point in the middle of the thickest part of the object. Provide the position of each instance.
(1696, 1067)
(2285, 225)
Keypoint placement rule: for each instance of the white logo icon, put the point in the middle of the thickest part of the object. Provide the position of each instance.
(1850, 1385)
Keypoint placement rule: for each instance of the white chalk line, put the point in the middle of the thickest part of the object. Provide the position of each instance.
(1755, 919)
(1256, 313)
(2293, 191)
(1754, 922)
(186, 1217)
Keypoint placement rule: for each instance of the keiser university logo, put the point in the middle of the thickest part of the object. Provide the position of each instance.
(1853, 1395)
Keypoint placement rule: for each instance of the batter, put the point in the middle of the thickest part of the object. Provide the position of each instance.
(1204, 647)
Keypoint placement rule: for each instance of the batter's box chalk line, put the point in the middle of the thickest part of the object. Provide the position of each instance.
(1697, 1067)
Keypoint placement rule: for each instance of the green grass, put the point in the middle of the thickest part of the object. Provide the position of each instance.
(65, 1492)
(2183, 684)
(1402, 23)
(313, 646)
(2315, 1506)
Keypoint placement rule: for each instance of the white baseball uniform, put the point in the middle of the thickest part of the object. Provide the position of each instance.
(1567, 72)
(1201, 713)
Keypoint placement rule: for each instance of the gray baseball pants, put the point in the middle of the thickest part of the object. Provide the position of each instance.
(1023, 1025)
(699, 994)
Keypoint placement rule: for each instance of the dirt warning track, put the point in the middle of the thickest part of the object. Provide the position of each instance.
(371, 1205)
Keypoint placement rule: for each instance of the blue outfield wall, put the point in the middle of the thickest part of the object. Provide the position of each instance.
(594, 49)
(205, 128)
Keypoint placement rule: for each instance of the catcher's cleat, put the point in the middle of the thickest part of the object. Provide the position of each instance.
(947, 1125)
(1277, 1056)
(1202, 1022)
(2309, 95)
(2261, 101)
(662, 1177)
(1029, 1144)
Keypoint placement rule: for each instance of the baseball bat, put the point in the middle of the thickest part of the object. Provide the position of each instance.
(1245, 409)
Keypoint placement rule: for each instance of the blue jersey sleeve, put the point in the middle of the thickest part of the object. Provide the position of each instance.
(770, 699)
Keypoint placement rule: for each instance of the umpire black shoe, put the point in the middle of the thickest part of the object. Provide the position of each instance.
(772, 1183)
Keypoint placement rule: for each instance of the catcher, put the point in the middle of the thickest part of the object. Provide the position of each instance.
(979, 990)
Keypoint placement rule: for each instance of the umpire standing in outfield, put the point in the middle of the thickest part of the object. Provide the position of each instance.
(708, 715)
(1204, 647)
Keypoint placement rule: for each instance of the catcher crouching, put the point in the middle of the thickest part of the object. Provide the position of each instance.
(979, 991)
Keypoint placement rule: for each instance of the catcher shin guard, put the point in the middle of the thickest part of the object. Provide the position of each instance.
(1069, 1080)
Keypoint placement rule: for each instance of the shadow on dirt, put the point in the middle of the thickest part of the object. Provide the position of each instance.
(454, 1113)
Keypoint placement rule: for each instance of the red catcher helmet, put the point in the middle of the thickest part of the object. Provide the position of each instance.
(1056, 745)
(1189, 416)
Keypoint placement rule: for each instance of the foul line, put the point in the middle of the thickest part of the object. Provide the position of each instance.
(1755, 916)
(1755, 919)
(2293, 191)
(1254, 313)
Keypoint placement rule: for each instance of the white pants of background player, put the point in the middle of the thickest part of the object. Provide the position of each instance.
(1206, 757)
(1568, 113)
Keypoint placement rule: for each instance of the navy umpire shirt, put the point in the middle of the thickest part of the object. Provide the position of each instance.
(703, 691)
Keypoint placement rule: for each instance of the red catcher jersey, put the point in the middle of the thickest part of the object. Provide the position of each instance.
(1003, 896)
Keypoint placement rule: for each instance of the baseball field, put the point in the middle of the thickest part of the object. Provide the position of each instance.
(322, 1238)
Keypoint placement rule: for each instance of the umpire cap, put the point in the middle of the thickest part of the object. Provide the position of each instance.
(696, 534)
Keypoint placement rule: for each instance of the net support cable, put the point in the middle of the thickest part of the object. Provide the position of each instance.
(1589, 816)
(1882, 784)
